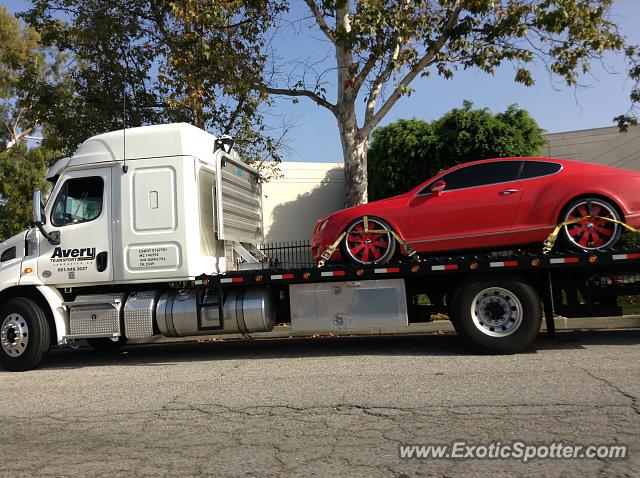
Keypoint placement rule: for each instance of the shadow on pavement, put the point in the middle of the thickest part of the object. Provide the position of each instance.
(377, 346)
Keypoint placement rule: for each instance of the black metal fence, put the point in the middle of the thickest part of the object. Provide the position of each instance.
(289, 254)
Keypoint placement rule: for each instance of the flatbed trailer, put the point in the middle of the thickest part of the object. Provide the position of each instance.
(571, 285)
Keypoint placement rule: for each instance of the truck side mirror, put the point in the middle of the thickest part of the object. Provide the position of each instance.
(37, 208)
(39, 220)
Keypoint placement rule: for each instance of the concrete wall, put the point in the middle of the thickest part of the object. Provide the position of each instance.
(607, 146)
(293, 203)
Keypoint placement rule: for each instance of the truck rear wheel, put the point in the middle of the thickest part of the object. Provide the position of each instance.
(24, 335)
(496, 316)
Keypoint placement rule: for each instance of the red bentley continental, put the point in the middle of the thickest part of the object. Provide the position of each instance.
(489, 205)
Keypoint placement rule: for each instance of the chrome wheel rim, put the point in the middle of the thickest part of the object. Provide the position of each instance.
(496, 312)
(592, 234)
(367, 247)
(14, 335)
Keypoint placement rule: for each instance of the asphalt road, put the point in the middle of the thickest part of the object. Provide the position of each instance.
(323, 407)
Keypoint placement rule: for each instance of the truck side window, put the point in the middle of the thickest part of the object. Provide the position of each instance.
(79, 200)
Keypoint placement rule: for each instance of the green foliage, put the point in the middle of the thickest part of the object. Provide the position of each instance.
(21, 172)
(407, 152)
(30, 77)
(168, 60)
(402, 155)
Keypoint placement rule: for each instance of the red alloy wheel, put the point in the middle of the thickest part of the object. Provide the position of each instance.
(369, 247)
(592, 233)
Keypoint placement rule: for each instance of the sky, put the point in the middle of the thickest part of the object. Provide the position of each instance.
(313, 133)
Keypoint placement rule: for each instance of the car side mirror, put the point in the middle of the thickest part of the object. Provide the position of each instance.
(438, 188)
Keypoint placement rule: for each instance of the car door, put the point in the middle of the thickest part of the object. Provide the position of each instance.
(479, 201)
(79, 213)
(540, 185)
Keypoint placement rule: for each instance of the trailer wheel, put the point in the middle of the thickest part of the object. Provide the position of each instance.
(496, 316)
(24, 335)
(105, 344)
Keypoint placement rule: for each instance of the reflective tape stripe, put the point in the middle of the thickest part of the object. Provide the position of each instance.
(445, 267)
(503, 264)
(332, 273)
(619, 257)
(282, 276)
(564, 260)
(228, 280)
(387, 270)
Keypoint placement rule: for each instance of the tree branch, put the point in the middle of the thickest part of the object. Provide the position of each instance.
(17, 137)
(235, 114)
(321, 21)
(424, 62)
(366, 69)
(319, 100)
(376, 88)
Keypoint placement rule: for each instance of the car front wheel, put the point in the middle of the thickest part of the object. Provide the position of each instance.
(370, 246)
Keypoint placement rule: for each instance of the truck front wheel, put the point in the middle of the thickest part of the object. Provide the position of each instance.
(24, 335)
(496, 316)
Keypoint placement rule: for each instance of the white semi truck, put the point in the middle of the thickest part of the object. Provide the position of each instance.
(154, 231)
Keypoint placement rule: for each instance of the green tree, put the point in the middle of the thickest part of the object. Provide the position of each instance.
(401, 156)
(381, 47)
(166, 60)
(407, 152)
(22, 171)
(30, 79)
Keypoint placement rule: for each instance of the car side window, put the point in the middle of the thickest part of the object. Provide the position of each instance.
(482, 175)
(79, 200)
(536, 169)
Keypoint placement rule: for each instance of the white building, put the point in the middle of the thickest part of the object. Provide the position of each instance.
(293, 203)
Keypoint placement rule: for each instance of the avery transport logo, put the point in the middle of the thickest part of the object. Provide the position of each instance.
(73, 255)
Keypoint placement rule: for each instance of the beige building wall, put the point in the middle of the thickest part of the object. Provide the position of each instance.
(607, 146)
(293, 203)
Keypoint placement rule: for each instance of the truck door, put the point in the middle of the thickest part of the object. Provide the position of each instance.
(79, 213)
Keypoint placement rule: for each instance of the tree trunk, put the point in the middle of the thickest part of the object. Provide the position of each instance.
(354, 152)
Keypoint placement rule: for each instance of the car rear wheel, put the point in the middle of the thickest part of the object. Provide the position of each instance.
(591, 234)
(367, 247)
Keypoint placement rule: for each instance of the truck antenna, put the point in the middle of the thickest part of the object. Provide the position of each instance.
(125, 168)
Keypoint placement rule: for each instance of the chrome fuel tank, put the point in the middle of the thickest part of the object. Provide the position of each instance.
(245, 311)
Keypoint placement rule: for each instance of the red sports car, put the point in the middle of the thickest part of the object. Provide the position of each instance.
(489, 204)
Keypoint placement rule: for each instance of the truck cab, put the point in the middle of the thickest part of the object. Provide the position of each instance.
(150, 205)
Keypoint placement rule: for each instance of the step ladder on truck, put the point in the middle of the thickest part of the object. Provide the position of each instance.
(163, 242)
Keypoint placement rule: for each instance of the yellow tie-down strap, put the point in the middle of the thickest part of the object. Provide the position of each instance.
(547, 245)
(331, 249)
